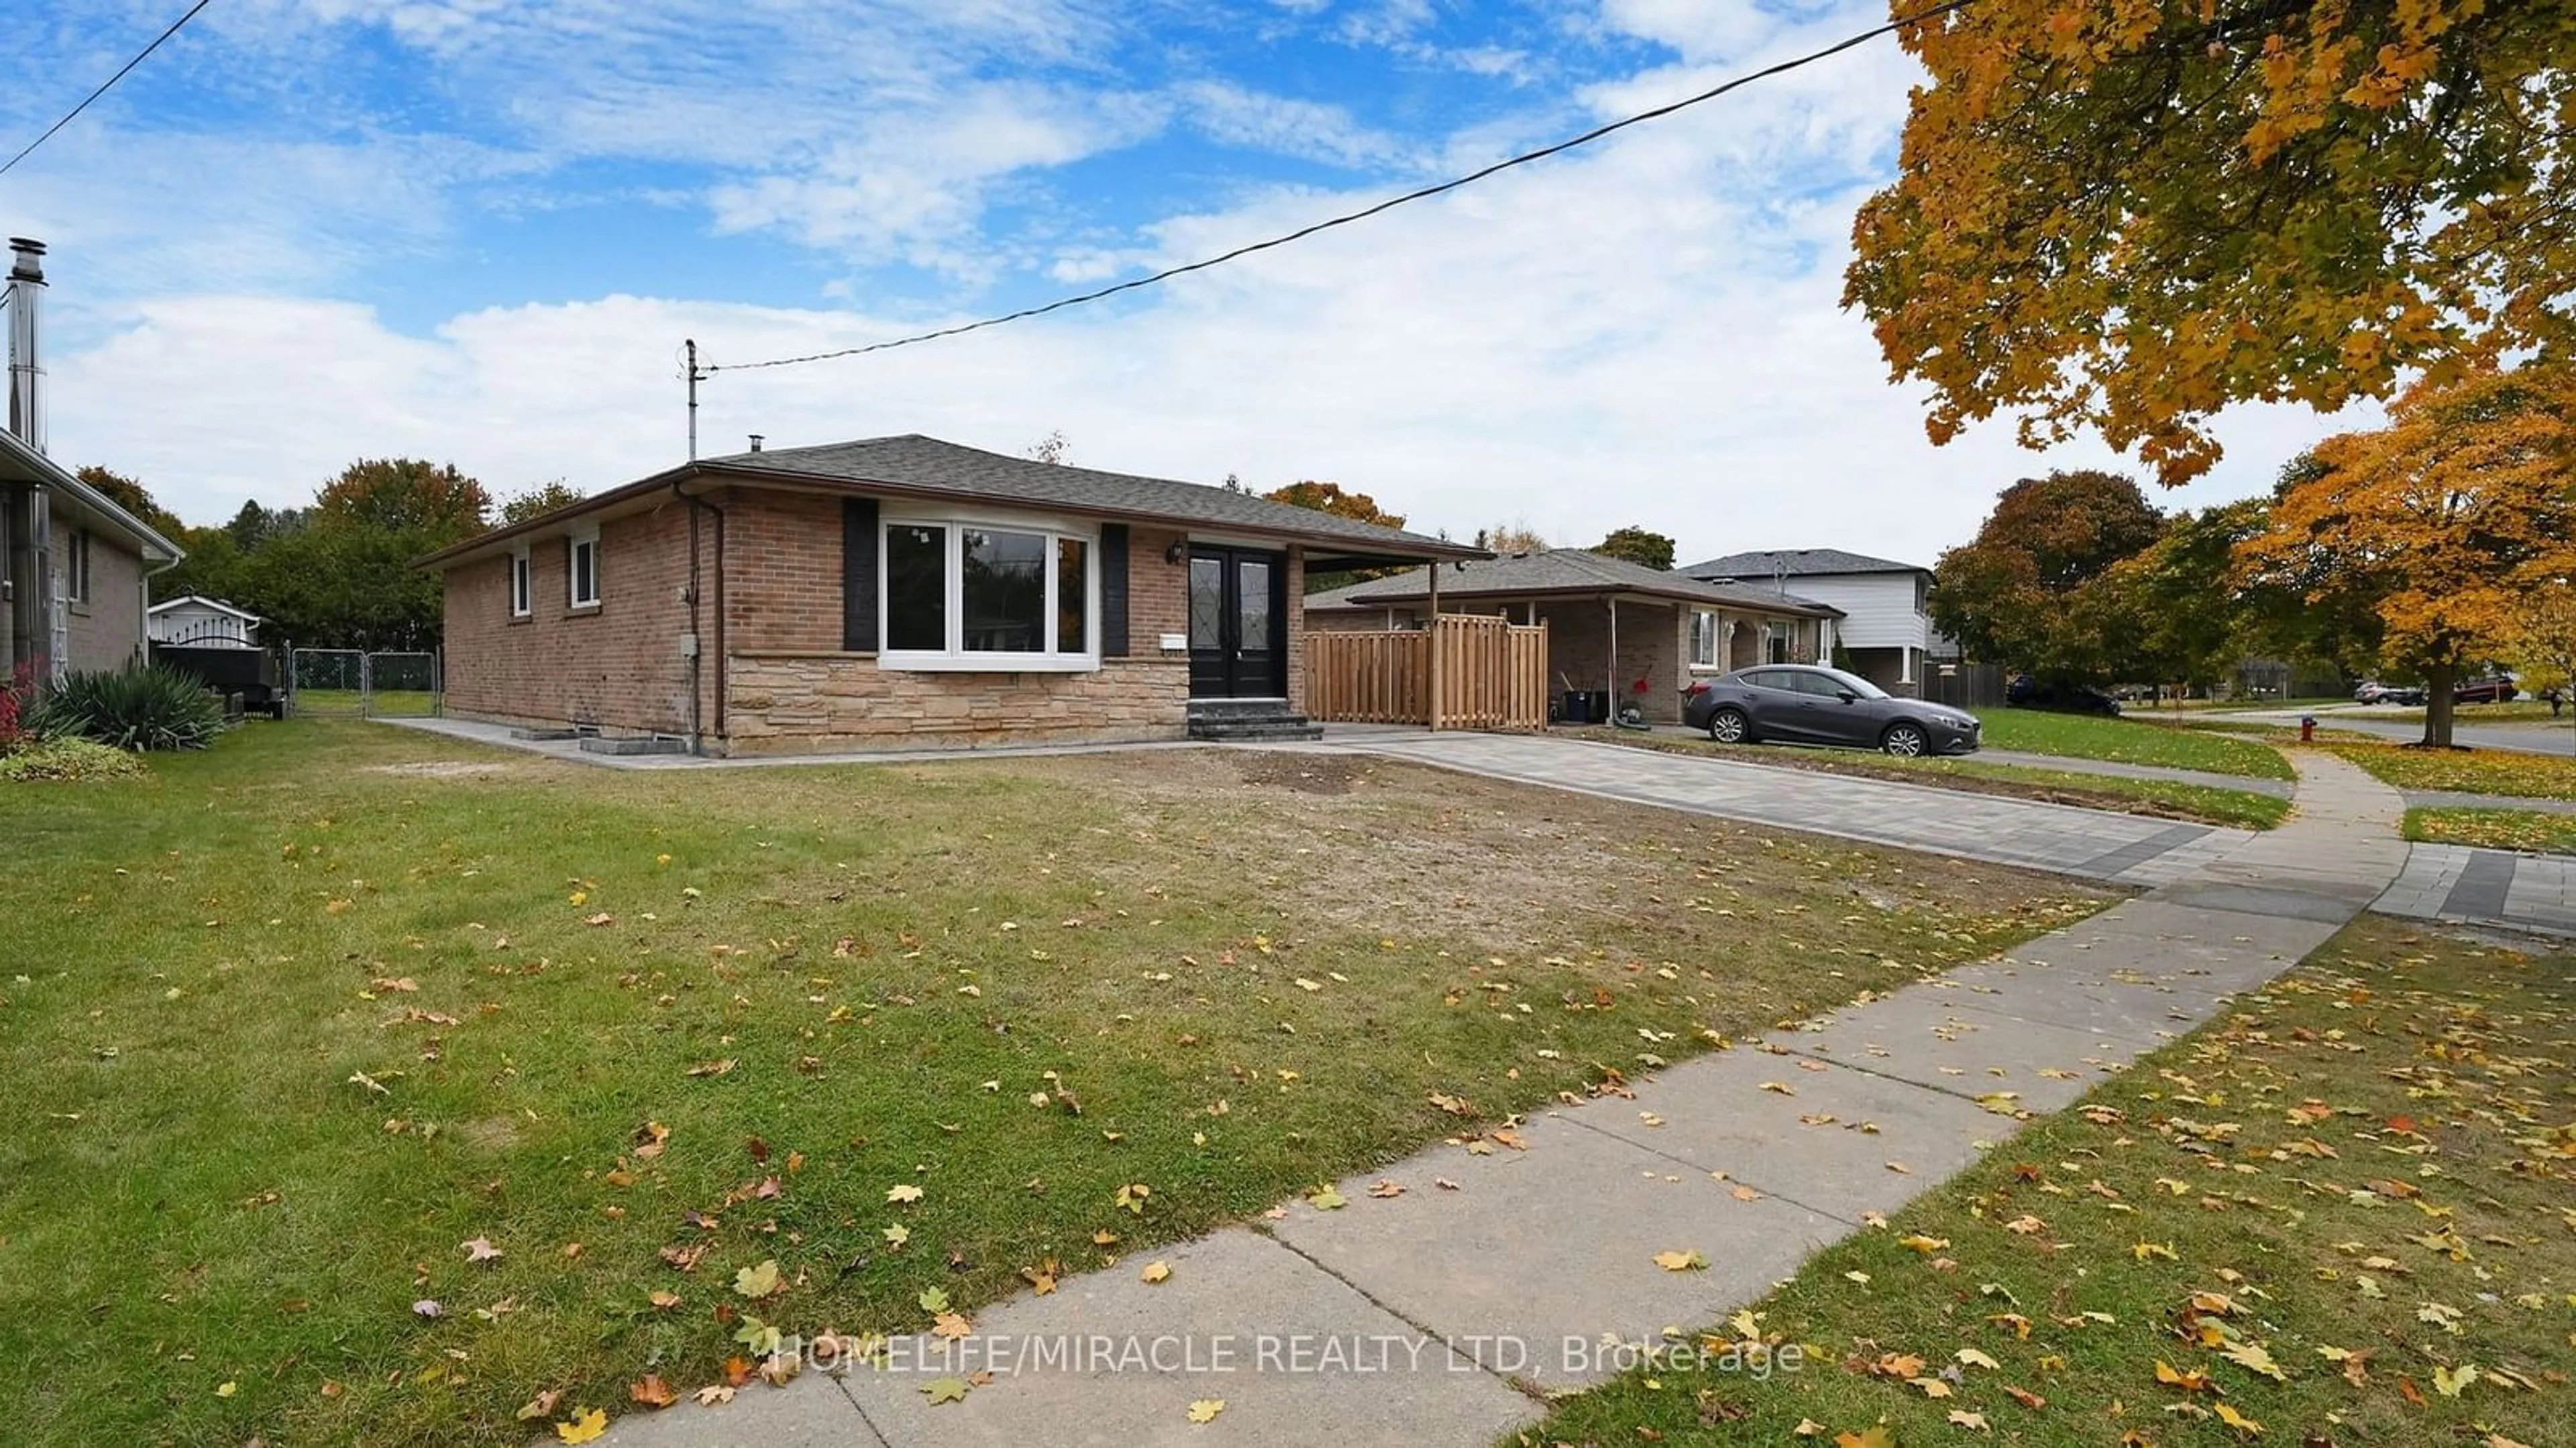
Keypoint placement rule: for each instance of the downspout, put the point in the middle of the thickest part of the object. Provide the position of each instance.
(697, 505)
(143, 605)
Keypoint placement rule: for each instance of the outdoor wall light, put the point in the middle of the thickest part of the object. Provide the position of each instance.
(1173, 553)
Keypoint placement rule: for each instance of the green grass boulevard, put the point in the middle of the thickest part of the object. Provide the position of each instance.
(368, 1086)
(2130, 741)
(2527, 830)
(2340, 1213)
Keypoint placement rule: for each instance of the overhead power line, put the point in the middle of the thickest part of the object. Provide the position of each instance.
(110, 84)
(1363, 214)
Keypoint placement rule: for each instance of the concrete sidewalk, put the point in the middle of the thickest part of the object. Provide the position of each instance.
(1438, 1313)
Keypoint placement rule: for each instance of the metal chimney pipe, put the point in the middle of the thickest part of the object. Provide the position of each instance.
(26, 369)
(755, 442)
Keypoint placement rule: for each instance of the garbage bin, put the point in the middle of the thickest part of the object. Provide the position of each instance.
(1576, 708)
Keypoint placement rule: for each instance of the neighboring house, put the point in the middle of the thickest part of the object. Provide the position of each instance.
(1886, 631)
(193, 622)
(1610, 622)
(76, 602)
(890, 593)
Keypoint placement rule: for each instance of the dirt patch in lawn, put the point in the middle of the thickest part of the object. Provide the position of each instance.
(1305, 773)
(442, 769)
(1398, 849)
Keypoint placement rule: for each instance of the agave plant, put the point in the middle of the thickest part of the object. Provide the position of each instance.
(141, 708)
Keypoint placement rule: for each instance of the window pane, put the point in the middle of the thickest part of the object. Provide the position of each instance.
(1252, 605)
(1072, 596)
(1207, 602)
(1006, 604)
(916, 588)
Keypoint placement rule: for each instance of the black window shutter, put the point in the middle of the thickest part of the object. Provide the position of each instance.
(1113, 590)
(859, 575)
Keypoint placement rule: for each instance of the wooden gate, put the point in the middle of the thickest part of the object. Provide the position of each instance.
(1490, 673)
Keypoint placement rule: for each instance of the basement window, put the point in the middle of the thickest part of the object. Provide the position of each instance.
(522, 594)
(964, 594)
(76, 566)
(582, 556)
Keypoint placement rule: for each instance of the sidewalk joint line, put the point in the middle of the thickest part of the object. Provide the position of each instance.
(1390, 1309)
(1655, 1151)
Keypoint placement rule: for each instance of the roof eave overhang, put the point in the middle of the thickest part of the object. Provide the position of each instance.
(34, 467)
(1344, 549)
(1383, 600)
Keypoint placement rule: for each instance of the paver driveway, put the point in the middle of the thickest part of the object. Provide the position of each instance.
(2124, 849)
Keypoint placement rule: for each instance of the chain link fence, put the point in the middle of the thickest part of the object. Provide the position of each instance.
(352, 684)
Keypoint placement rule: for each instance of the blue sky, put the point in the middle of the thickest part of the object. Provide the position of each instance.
(478, 230)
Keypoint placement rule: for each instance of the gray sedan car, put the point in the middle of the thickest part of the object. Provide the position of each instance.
(1804, 704)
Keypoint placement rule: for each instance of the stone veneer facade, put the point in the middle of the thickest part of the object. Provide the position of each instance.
(788, 686)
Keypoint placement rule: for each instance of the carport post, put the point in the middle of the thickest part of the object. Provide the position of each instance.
(1432, 648)
(1611, 702)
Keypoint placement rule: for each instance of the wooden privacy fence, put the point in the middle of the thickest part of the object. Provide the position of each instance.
(1492, 674)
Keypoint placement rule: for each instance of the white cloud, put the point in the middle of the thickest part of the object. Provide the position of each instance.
(1645, 332)
(1612, 341)
(1236, 115)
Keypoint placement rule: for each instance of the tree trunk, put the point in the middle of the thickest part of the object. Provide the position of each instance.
(2438, 682)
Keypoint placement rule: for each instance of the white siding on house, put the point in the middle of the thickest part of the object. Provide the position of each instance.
(1880, 608)
(201, 626)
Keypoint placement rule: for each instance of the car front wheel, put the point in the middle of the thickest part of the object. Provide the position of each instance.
(1728, 726)
(1904, 740)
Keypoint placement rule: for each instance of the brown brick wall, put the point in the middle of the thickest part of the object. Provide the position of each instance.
(789, 686)
(105, 630)
(617, 666)
(805, 695)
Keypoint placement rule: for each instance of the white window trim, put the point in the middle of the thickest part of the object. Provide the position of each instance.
(587, 537)
(523, 583)
(1704, 632)
(957, 659)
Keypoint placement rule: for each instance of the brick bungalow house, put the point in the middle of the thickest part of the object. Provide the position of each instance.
(890, 593)
(1610, 622)
(74, 564)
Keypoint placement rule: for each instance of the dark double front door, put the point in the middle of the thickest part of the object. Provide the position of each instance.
(1238, 623)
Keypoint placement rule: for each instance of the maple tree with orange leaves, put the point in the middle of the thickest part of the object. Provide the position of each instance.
(2120, 216)
(2446, 524)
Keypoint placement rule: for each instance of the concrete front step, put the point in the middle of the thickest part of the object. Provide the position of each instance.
(597, 745)
(1249, 721)
(1262, 732)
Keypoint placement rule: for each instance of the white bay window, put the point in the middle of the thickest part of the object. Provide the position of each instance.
(963, 594)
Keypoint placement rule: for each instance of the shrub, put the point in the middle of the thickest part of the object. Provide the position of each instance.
(67, 760)
(146, 708)
(16, 697)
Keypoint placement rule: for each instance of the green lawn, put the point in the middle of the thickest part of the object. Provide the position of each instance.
(2468, 771)
(2535, 831)
(2162, 798)
(293, 1022)
(2317, 1215)
(2131, 741)
(381, 703)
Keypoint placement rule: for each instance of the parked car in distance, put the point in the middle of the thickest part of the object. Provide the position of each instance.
(2494, 689)
(1808, 704)
(2374, 692)
(2025, 692)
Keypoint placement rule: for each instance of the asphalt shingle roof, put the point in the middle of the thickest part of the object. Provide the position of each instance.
(928, 465)
(1796, 563)
(1557, 570)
